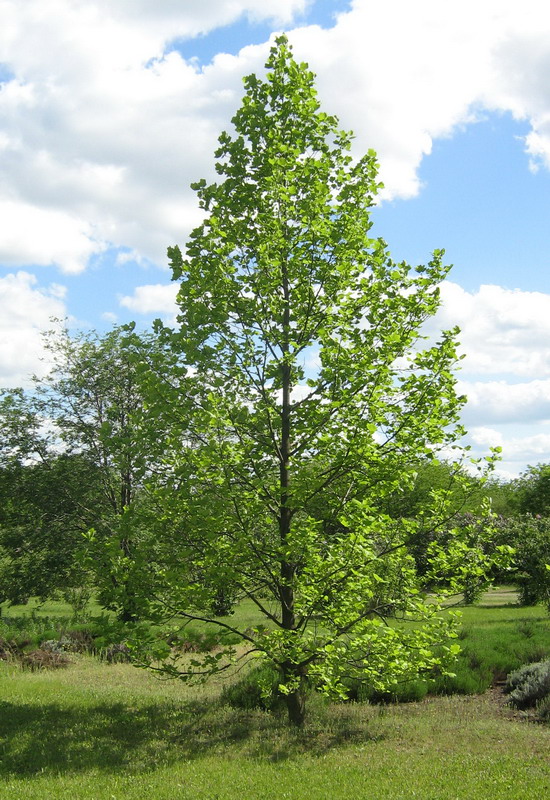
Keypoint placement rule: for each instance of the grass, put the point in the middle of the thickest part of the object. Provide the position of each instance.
(111, 732)
(49, 608)
(100, 733)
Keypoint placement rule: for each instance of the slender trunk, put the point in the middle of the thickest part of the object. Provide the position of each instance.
(287, 568)
(295, 701)
(296, 704)
(128, 610)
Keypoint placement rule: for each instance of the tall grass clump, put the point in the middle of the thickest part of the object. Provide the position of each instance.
(491, 652)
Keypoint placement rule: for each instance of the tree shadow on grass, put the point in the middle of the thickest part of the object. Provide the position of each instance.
(51, 738)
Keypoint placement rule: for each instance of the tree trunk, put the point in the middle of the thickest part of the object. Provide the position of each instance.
(296, 705)
(296, 700)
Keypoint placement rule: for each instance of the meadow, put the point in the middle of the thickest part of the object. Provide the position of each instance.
(110, 731)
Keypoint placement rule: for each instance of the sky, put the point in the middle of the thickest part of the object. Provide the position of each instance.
(110, 109)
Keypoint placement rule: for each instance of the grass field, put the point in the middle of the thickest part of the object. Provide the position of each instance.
(111, 732)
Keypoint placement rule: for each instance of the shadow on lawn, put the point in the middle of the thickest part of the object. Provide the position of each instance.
(112, 737)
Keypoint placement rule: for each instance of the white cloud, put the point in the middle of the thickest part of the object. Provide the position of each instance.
(103, 130)
(193, 19)
(517, 451)
(153, 298)
(505, 372)
(503, 331)
(43, 236)
(501, 402)
(27, 310)
(402, 74)
(528, 449)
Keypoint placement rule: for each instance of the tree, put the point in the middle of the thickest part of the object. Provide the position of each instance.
(533, 490)
(307, 402)
(530, 537)
(73, 461)
(44, 514)
(21, 438)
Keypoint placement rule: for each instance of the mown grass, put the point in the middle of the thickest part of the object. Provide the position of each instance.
(112, 732)
(99, 733)
(49, 608)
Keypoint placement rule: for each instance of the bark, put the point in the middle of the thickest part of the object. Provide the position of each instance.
(296, 706)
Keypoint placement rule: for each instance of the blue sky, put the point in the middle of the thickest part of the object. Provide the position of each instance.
(480, 202)
(103, 130)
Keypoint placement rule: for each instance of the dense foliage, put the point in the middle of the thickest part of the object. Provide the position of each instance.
(71, 462)
(300, 407)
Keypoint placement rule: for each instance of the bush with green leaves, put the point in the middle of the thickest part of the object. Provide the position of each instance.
(483, 541)
(411, 691)
(258, 688)
(529, 685)
(532, 490)
(530, 537)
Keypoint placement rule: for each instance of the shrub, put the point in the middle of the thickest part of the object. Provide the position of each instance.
(81, 641)
(43, 659)
(116, 653)
(530, 537)
(543, 710)
(190, 640)
(257, 689)
(223, 604)
(473, 591)
(529, 684)
(28, 629)
(469, 677)
(407, 692)
(7, 650)
(56, 645)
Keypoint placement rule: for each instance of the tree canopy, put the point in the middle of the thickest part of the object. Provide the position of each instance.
(71, 461)
(301, 398)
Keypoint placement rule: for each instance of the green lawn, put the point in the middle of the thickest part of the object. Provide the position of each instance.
(104, 732)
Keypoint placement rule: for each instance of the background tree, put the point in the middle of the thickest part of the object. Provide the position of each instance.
(525, 526)
(532, 490)
(46, 508)
(22, 438)
(45, 503)
(309, 404)
(73, 461)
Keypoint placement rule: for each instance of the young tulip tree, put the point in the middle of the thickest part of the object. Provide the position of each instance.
(307, 400)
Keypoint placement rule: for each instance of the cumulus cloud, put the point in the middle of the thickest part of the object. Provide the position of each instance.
(503, 331)
(505, 369)
(31, 235)
(152, 298)
(518, 450)
(501, 402)
(27, 309)
(414, 72)
(103, 130)
(200, 18)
